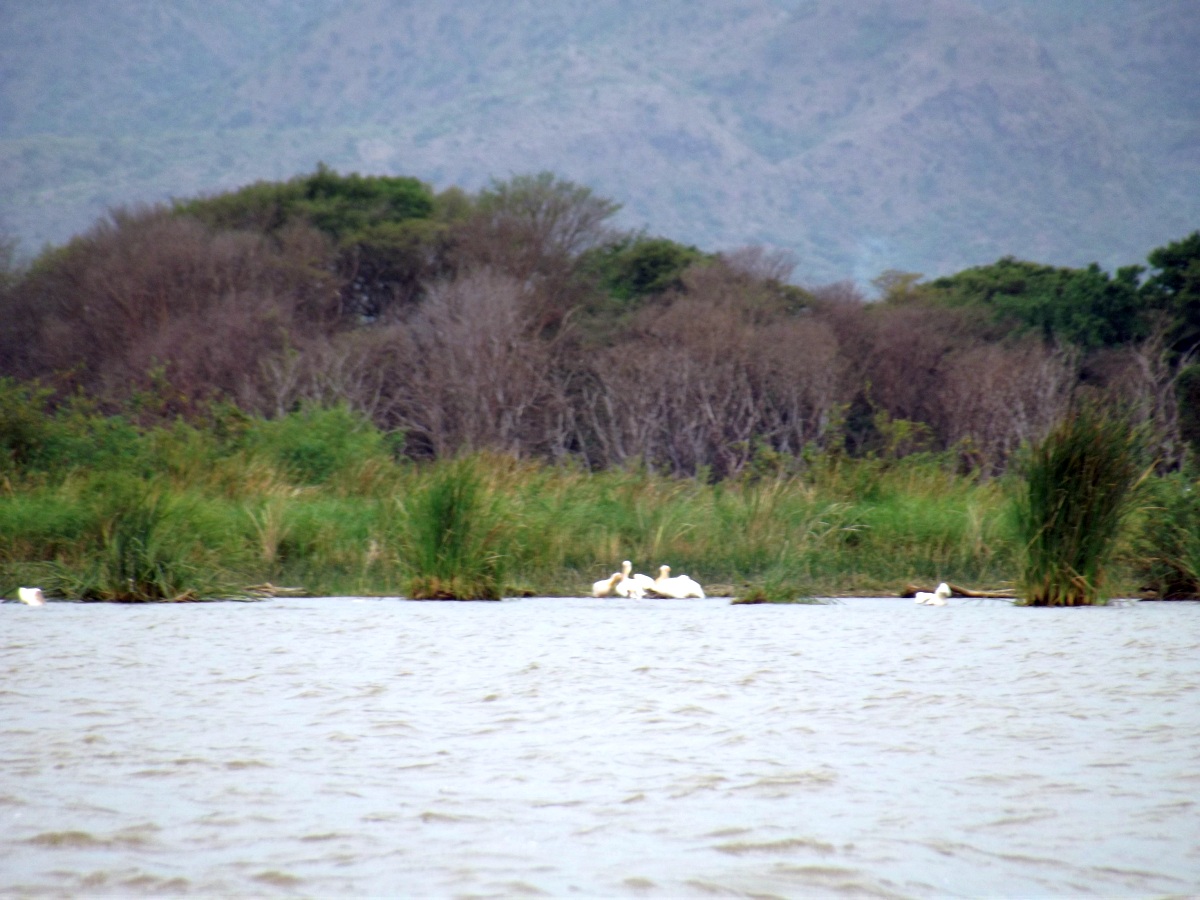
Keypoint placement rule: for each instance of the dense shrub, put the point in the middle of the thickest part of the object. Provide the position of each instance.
(1079, 486)
(518, 319)
(1169, 545)
(313, 443)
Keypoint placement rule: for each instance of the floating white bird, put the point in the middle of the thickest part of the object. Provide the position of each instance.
(605, 586)
(937, 598)
(628, 586)
(31, 596)
(678, 588)
(645, 582)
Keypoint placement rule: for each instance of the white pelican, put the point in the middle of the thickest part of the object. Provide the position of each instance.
(937, 598)
(31, 596)
(645, 582)
(605, 586)
(678, 588)
(630, 587)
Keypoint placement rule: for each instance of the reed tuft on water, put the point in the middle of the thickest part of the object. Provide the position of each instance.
(1169, 542)
(453, 536)
(1080, 483)
(777, 586)
(139, 555)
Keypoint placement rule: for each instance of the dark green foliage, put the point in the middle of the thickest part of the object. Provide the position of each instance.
(1169, 546)
(639, 266)
(1174, 287)
(381, 226)
(34, 438)
(24, 426)
(1187, 391)
(314, 443)
(388, 262)
(453, 537)
(339, 205)
(1085, 307)
(1080, 483)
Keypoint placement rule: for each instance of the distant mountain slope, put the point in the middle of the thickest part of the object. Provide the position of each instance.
(926, 136)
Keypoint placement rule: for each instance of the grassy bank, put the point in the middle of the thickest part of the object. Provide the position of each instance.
(98, 508)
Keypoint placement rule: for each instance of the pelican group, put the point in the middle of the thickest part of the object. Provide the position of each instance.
(636, 586)
(679, 587)
(622, 584)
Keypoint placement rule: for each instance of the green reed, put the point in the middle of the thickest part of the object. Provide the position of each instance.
(224, 507)
(1080, 484)
(144, 547)
(452, 538)
(1168, 544)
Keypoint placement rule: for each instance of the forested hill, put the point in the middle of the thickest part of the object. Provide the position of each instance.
(518, 320)
(926, 136)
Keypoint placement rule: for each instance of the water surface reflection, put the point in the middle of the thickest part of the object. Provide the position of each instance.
(599, 747)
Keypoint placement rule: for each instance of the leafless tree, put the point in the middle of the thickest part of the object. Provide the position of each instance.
(761, 264)
(148, 291)
(994, 398)
(703, 379)
(531, 226)
(473, 375)
(1150, 385)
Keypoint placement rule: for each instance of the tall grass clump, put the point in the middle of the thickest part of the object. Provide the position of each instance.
(143, 549)
(1168, 548)
(1079, 485)
(778, 585)
(452, 543)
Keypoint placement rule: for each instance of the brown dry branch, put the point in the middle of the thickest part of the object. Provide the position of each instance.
(911, 590)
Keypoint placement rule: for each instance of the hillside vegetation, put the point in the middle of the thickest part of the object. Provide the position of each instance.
(517, 319)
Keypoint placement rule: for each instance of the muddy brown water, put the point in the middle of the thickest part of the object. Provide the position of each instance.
(322, 747)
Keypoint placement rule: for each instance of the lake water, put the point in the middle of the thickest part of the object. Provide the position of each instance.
(599, 748)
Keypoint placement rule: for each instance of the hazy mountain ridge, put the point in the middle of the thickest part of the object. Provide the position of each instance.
(861, 137)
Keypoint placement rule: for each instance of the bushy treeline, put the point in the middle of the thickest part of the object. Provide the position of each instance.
(518, 320)
(96, 506)
(103, 508)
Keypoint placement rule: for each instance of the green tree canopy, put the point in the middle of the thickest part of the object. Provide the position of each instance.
(342, 206)
(637, 266)
(1086, 307)
(381, 227)
(1174, 287)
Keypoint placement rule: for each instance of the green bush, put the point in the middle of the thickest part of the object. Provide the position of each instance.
(453, 540)
(1080, 483)
(143, 547)
(639, 266)
(34, 438)
(313, 444)
(1169, 545)
(338, 205)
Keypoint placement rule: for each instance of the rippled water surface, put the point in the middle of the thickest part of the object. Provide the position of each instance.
(599, 748)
